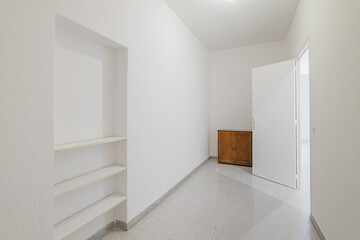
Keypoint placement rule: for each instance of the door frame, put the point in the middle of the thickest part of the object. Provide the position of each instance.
(297, 118)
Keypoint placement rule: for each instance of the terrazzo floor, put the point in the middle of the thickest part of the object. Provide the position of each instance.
(225, 202)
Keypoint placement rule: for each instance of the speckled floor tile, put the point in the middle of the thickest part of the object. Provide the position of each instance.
(224, 202)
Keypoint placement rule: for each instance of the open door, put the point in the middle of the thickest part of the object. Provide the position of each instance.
(274, 129)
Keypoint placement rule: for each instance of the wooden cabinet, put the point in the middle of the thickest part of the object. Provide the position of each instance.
(235, 147)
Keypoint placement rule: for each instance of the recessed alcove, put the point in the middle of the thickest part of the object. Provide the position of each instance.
(90, 83)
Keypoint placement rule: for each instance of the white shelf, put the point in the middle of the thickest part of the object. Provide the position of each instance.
(87, 143)
(76, 183)
(87, 215)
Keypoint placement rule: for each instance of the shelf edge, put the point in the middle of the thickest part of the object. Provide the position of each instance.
(87, 143)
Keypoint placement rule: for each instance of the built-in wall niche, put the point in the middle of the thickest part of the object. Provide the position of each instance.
(90, 77)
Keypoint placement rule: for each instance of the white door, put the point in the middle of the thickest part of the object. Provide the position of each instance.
(274, 130)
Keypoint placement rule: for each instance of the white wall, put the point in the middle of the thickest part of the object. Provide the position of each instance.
(230, 85)
(84, 88)
(26, 132)
(298, 32)
(335, 112)
(167, 91)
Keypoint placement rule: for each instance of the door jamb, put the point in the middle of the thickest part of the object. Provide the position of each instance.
(297, 109)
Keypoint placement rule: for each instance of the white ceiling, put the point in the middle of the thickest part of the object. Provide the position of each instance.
(221, 24)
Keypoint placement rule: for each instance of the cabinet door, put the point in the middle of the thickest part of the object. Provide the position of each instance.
(243, 149)
(226, 145)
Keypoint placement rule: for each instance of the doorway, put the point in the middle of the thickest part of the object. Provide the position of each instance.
(281, 122)
(304, 121)
(274, 122)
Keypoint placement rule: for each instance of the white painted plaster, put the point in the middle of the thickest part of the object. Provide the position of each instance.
(167, 93)
(26, 107)
(230, 85)
(333, 33)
